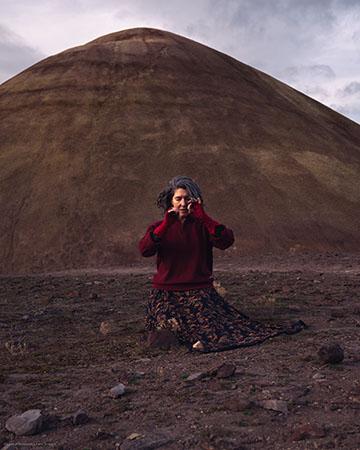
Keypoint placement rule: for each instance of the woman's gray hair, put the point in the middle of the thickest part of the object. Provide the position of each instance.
(178, 182)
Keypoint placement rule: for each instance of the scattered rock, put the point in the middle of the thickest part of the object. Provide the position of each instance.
(308, 431)
(274, 405)
(103, 435)
(117, 391)
(16, 347)
(226, 370)
(106, 327)
(137, 375)
(295, 326)
(30, 422)
(331, 353)
(199, 346)
(220, 289)
(196, 376)
(143, 360)
(133, 436)
(80, 417)
(319, 376)
(140, 442)
(163, 339)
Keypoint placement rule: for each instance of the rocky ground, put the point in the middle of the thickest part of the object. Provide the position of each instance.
(67, 339)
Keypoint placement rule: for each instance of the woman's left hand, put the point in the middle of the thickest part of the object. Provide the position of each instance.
(195, 207)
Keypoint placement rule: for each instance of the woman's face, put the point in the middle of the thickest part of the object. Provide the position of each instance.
(180, 201)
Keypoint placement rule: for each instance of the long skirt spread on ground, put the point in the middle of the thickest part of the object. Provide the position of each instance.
(203, 316)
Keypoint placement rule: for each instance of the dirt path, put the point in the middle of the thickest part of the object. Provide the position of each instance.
(53, 357)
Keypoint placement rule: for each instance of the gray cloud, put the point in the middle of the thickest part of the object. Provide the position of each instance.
(350, 89)
(317, 92)
(317, 71)
(15, 55)
(311, 45)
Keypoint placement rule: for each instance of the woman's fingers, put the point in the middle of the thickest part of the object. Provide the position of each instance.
(173, 210)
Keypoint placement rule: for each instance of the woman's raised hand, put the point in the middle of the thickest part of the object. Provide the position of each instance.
(172, 212)
(199, 213)
(195, 207)
(170, 217)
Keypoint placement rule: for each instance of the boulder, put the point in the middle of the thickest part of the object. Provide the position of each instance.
(331, 353)
(117, 391)
(27, 423)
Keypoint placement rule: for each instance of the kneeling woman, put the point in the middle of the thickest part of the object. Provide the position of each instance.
(183, 299)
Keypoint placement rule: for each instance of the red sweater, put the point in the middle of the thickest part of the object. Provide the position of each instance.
(184, 254)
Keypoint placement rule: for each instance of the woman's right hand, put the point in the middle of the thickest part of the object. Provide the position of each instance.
(171, 216)
(172, 212)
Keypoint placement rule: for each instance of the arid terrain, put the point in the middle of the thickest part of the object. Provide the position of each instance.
(68, 338)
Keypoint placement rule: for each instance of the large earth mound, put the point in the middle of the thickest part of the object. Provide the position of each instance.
(90, 136)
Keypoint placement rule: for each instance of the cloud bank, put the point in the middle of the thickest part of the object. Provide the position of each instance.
(312, 46)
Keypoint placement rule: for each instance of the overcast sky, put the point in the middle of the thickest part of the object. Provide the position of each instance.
(312, 45)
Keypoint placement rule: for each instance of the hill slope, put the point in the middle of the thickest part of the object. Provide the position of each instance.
(88, 138)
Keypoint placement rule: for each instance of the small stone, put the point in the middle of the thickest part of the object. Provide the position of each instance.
(137, 375)
(80, 417)
(102, 435)
(137, 441)
(295, 326)
(274, 405)
(133, 436)
(143, 360)
(226, 370)
(319, 376)
(308, 431)
(199, 346)
(331, 353)
(195, 376)
(106, 327)
(117, 391)
(28, 423)
(219, 289)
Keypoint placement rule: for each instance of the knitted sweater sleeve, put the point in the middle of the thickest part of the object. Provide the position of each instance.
(223, 237)
(149, 243)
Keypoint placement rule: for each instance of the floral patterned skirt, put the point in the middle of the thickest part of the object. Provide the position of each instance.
(201, 319)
